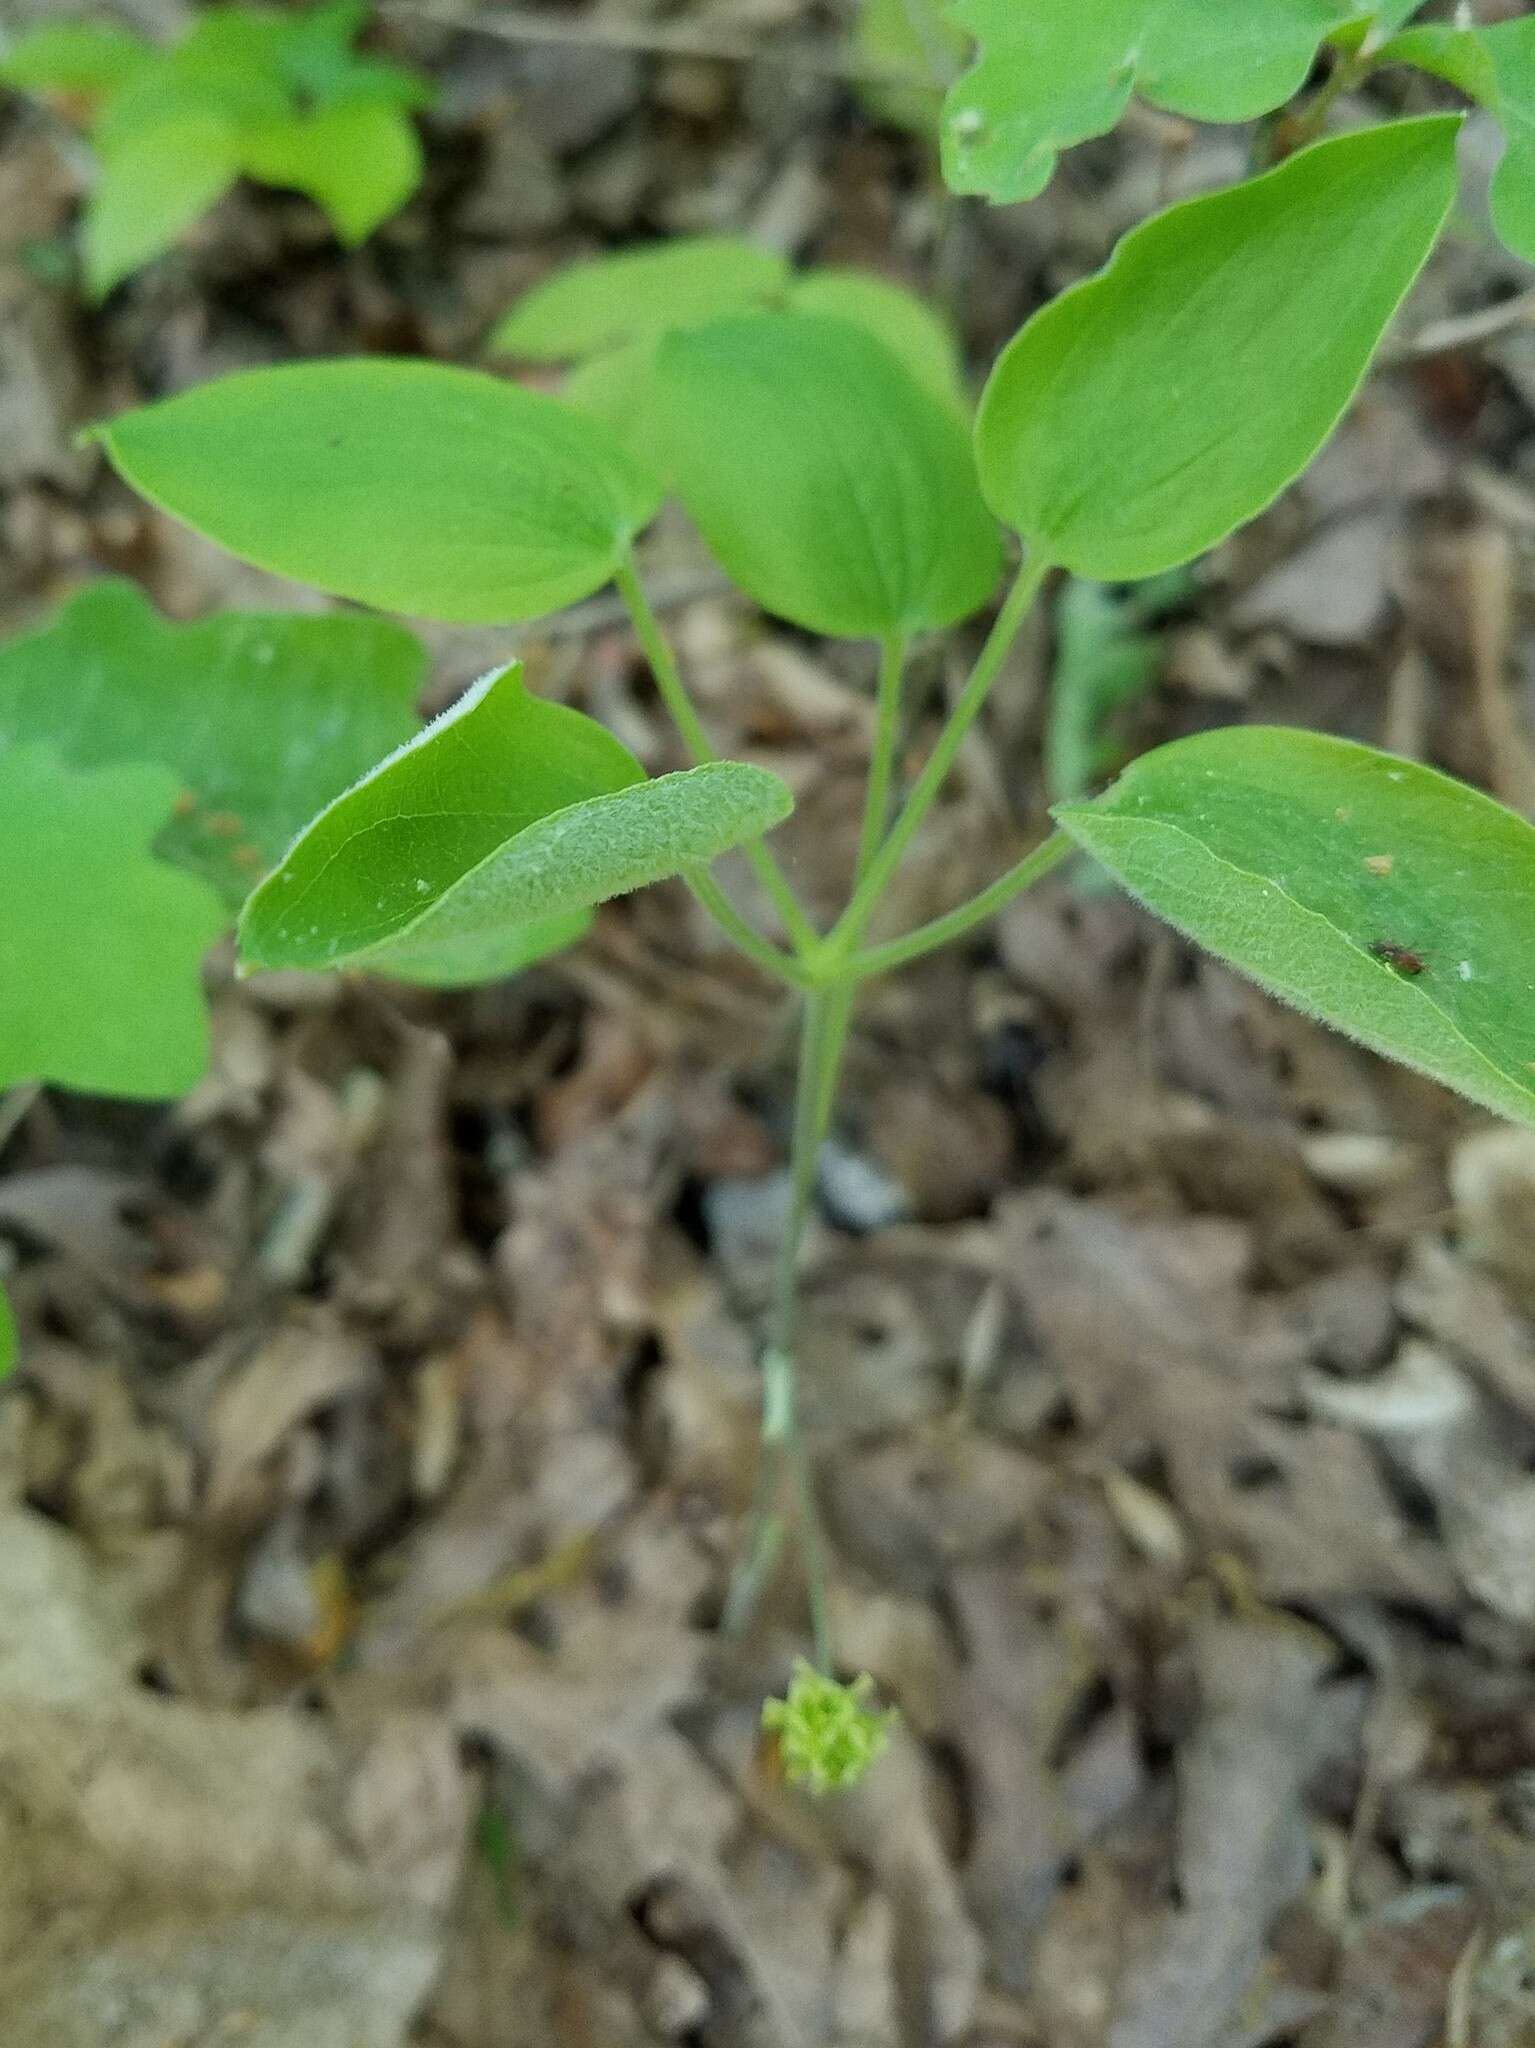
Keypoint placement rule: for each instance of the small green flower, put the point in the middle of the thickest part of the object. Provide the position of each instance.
(828, 1734)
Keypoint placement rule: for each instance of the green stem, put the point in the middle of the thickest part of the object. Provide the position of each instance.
(647, 627)
(887, 737)
(823, 1035)
(955, 923)
(782, 966)
(988, 666)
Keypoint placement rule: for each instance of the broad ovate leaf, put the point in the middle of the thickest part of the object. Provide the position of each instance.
(907, 325)
(150, 191)
(1146, 413)
(261, 717)
(834, 488)
(359, 162)
(591, 307)
(1052, 73)
(474, 847)
(1376, 894)
(411, 486)
(100, 942)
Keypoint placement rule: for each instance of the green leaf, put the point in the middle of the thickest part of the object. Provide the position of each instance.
(100, 944)
(622, 391)
(832, 487)
(907, 325)
(1375, 894)
(7, 1336)
(410, 486)
(150, 191)
(1496, 67)
(262, 719)
(1143, 415)
(591, 307)
(506, 812)
(89, 58)
(1055, 72)
(359, 162)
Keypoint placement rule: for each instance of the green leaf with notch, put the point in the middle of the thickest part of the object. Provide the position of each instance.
(1122, 431)
(262, 718)
(150, 191)
(1378, 895)
(505, 813)
(834, 489)
(588, 308)
(359, 162)
(1053, 73)
(101, 945)
(406, 485)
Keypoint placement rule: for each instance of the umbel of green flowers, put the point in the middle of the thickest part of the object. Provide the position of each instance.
(828, 1733)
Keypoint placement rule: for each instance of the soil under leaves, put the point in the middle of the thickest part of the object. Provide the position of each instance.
(387, 1427)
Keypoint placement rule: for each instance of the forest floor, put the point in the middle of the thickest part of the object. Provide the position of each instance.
(387, 1424)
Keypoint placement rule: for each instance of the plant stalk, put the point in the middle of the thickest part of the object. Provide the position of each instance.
(955, 923)
(882, 867)
(647, 628)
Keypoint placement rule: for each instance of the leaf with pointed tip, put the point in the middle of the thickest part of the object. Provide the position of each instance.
(506, 812)
(1053, 73)
(835, 490)
(262, 718)
(1121, 432)
(1378, 895)
(101, 945)
(591, 307)
(406, 485)
(359, 162)
(152, 189)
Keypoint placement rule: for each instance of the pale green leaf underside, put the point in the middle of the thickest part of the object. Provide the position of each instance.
(1290, 854)
(1120, 432)
(832, 486)
(7, 1336)
(557, 868)
(590, 307)
(1052, 73)
(505, 813)
(262, 718)
(100, 944)
(411, 486)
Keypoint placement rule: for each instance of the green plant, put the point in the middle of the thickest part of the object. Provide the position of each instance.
(250, 92)
(151, 774)
(609, 316)
(1130, 425)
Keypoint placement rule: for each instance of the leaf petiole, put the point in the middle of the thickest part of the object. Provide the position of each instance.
(941, 931)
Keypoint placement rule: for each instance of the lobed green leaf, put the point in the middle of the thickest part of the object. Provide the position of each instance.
(1146, 413)
(101, 945)
(505, 814)
(834, 489)
(358, 161)
(262, 718)
(1056, 72)
(406, 485)
(1376, 894)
